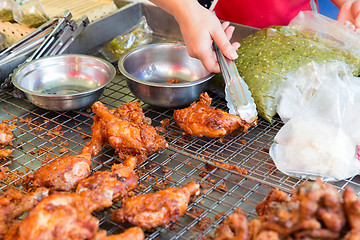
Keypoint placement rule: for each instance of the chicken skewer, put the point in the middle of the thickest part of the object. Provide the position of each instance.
(200, 119)
(156, 209)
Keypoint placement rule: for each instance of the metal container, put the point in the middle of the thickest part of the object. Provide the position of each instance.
(2, 40)
(164, 75)
(64, 82)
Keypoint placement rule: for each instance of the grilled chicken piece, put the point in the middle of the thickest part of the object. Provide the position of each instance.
(134, 233)
(116, 183)
(63, 173)
(14, 203)
(58, 216)
(156, 209)
(202, 120)
(127, 136)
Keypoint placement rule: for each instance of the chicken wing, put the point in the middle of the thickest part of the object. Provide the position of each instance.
(156, 209)
(97, 142)
(116, 183)
(13, 203)
(58, 216)
(200, 119)
(63, 173)
(128, 138)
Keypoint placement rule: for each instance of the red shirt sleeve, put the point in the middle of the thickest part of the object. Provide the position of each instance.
(260, 13)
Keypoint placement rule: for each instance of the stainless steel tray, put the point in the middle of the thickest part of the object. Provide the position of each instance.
(187, 159)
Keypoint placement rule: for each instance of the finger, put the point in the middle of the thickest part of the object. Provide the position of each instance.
(207, 56)
(229, 32)
(235, 45)
(349, 25)
(225, 25)
(355, 9)
(344, 13)
(225, 46)
(211, 64)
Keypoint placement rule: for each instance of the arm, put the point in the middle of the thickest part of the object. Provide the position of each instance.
(199, 28)
(349, 11)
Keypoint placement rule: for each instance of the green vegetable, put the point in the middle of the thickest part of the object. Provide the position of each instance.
(269, 56)
(6, 15)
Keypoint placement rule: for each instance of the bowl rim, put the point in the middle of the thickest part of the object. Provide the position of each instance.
(138, 80)
(74, 95)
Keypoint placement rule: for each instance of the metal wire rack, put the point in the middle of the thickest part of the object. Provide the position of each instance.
(41, 135)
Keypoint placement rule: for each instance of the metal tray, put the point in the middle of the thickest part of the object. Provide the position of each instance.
(40, 134)
(2, 40)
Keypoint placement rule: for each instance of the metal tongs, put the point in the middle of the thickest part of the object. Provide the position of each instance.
(237, 93)
(51, 38)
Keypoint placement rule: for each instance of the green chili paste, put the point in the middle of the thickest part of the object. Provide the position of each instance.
(6, 15)
(33, 20)
(271, 55)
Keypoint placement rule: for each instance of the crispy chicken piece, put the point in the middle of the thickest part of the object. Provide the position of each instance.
(322, 201)
(97, 142)
(352, 209)
(4, 153)
(128, 138)
(6, 135)
(63, 173)
(14, 203)
(156, 209)
(200, 119)
(116, 183)
(275, 195)
(134, 233)
(58, 216)
(235, 227)
(130, 111)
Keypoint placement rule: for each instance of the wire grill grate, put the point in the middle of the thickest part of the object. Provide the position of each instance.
(41, 135)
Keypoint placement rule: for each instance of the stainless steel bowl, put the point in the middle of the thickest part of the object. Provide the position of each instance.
(164, 75)
(64, 82)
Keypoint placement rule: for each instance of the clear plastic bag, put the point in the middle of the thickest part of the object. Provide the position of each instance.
(30, 13)
(270, 56)
(138, 35)
(322, 137)
(6, 10)
(331, 33)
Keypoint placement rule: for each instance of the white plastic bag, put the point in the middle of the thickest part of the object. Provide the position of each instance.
(322, 136)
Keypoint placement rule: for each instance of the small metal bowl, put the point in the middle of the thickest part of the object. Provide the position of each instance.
(164, 75)
(64, 82)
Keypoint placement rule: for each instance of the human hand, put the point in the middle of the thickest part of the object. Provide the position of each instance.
(199, 28)
(349, 13)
